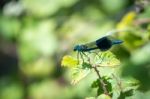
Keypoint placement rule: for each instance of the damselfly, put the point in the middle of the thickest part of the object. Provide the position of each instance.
(102, 44)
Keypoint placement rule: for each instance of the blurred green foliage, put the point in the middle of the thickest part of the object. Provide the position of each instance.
(36, 34)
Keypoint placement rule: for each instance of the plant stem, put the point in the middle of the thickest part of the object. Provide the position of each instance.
(101, 81)
(100, 78)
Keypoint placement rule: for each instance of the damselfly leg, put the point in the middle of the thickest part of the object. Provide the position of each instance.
(81, 57)
(78, 57)
(88, 58)
(99, 56)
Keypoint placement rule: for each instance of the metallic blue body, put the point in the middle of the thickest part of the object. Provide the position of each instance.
(103, 44)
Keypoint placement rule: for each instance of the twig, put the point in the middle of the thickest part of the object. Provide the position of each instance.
(102, 84)
(101, 81)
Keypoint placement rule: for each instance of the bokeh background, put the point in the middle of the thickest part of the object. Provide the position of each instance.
(36, 34)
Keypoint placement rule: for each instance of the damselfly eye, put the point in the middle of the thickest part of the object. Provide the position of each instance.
(76, 47)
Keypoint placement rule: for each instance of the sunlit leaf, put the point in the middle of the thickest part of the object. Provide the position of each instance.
(107, 59)
(69, 61)
(78, 74)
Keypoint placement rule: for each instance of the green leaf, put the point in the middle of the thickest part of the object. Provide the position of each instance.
(97, 84)
(100, 91)
(106, 59)
(69, 61)
(108, 84)
(86, 65)
(78, 74)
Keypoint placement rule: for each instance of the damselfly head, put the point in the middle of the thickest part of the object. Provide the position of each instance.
(76, 47)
